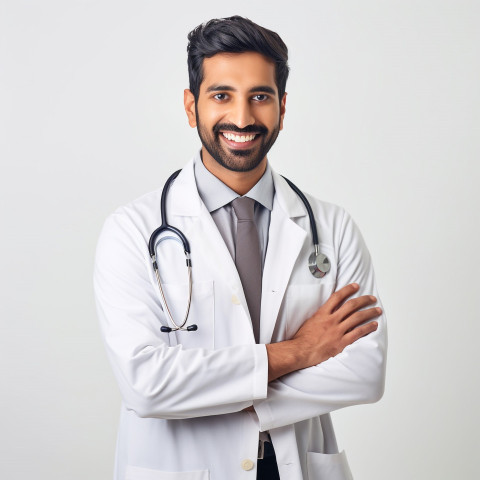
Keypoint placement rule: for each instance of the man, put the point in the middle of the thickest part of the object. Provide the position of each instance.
(248, 393)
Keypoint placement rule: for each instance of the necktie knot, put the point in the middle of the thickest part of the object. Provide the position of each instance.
(244, 208)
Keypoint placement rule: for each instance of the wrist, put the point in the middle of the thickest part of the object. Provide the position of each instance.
(284, 357)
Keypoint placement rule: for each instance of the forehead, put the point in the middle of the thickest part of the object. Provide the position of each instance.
(242, 71)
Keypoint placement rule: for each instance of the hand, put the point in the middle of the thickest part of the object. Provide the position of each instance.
(335, 325)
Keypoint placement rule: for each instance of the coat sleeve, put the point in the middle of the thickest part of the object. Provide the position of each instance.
(156, 379)
(354, 376)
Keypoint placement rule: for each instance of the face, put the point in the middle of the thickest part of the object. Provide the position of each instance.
(238, 114)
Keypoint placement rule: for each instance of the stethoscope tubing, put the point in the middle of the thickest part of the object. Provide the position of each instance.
(318, 264)
(313, 224)
(165, 227)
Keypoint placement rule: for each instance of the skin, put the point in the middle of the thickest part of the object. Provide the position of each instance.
(336, 324)
(238, 92)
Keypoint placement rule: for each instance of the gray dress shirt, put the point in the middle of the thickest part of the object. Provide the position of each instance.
(217, 197)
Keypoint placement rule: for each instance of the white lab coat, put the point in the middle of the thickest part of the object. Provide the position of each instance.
(184, 393)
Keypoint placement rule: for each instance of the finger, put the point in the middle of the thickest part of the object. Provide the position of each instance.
(355, 304)
(359, 332)
(337, 298)
(359, 318)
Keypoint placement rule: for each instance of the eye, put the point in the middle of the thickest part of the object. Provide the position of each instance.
(261, 97)
(220, 96)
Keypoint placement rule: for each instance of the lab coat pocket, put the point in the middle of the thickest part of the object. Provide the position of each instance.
(323, 466)
(302, 301)
(139, 473)
(201, 313)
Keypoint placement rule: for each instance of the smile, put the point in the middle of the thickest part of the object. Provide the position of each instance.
(238, 138)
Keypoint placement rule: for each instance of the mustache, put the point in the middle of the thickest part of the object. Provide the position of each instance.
(233, 128)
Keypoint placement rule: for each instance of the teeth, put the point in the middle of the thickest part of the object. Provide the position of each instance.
(238, 138)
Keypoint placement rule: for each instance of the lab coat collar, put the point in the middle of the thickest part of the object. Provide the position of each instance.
(183, 198)
(215, 194)
(288, 200)
(186, 201)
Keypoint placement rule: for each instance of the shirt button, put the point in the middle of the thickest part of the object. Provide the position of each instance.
(247, 464)
(235, 300)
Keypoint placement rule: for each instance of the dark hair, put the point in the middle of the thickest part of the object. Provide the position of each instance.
(234, 35)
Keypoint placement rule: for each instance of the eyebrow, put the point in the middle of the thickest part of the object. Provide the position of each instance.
(228, 88)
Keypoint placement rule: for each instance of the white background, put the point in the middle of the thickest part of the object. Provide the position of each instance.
(382, 118)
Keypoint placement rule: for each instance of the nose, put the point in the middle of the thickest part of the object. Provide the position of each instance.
(241, 114)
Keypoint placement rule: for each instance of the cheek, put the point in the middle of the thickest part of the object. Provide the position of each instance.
(270, 118)
(209, 115)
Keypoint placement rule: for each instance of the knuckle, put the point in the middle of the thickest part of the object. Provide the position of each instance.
(355, 303)
(335, 296)
(359, 318)
(350, 308)
(368, 328)
(343, 292)
(373, 312)
(360, 302)
(367, 299)
(364, 315)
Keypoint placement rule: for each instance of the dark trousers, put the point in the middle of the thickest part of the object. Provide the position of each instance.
(267, 468)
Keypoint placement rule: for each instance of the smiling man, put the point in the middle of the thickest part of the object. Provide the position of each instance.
(275, 337)
(241, 116)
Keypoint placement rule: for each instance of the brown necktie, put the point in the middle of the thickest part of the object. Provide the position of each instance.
(248, 258)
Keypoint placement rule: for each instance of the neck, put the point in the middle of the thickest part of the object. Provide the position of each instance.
(239, 182)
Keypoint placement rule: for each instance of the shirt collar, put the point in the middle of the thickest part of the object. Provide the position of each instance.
(215, 194)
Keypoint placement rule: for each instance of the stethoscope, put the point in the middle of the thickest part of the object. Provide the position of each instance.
(318, 263)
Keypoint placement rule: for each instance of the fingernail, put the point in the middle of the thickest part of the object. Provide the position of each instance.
(379, 310)
(355, 285)
(372, 298)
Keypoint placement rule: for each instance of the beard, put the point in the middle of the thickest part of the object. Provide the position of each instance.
(232, 159)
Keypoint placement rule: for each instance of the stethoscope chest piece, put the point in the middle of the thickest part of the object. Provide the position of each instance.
(318, 263)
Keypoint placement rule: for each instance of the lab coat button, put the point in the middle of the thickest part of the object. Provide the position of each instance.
(247, 464)
(235, 300)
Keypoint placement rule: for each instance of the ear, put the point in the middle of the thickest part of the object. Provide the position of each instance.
(189, 103)
(282, 109)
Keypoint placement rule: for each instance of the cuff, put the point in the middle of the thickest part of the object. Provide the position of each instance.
(264, 414)
(260, 379)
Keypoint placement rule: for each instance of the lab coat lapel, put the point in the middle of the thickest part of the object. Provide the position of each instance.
(188, 212)
(285, 240)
